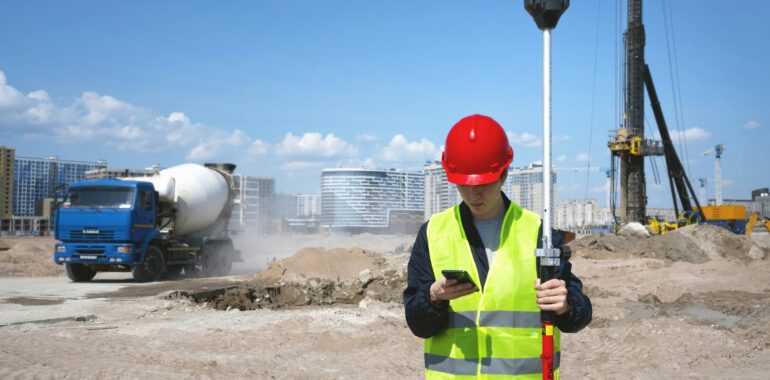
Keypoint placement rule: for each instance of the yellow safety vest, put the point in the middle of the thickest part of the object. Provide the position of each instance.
(494, 333)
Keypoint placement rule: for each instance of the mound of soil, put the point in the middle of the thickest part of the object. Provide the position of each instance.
(694, 244)
(28, 257)
(316, 276)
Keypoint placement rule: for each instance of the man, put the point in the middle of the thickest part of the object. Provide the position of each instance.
(490, 326)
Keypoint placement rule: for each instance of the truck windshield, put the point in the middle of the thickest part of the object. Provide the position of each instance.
(99, 197)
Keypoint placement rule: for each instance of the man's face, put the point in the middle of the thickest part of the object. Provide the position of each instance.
(484, 201)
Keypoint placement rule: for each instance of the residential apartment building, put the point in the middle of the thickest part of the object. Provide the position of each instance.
(373, 200)
(576, 213)
(7, 155)
(254, 203)
(40, 178)
(761, 202)
(440, 194)
(524, 187)
(103, 173)
(308, 205)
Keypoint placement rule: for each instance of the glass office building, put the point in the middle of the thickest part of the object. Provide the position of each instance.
(41, 178)
(370, 199)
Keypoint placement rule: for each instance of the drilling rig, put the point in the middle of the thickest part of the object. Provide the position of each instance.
(627, 142)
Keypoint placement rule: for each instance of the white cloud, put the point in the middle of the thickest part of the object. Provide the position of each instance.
(526, 139)
(690, 134)
(11, 98)
(401, 150)
(301, 165)
(367, 138)
(313, 144)
(752, 125)
(258, 148)
(219, 144)
(439, 153)
(562, 158)
(582, 157)
(115, 123)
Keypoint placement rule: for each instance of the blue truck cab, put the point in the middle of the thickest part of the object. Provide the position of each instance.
(105, 225)
(120, 225)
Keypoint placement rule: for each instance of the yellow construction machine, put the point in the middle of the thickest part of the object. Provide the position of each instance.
(753, 220)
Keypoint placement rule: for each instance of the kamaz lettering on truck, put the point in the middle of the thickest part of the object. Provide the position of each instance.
(153, 226)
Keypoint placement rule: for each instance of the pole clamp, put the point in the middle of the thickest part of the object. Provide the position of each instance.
(549, 256)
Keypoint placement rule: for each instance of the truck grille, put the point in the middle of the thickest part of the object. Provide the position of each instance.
(92, 234)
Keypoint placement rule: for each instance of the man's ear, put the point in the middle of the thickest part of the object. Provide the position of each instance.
(504, 175)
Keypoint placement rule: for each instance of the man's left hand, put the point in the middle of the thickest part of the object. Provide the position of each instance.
(552, 296)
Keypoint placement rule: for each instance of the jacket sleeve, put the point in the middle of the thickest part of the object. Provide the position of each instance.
(581, 311)
(423, 318)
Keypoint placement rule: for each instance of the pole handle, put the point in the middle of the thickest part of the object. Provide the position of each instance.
(547, 273)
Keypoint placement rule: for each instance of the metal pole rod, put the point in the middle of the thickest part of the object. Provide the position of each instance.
(547, 139)
(549, 262)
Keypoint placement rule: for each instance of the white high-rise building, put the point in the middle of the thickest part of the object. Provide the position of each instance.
(254, 204)
(360, 199)
(308, 205)
(524, 187)
(440, 194)
(576, 213)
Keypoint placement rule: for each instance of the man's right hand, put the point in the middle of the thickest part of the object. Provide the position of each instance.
(444, 290)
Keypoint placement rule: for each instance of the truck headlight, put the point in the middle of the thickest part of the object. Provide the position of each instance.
(61, 248)
(124, 249)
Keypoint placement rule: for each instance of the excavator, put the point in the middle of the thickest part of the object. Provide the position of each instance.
(753, 220)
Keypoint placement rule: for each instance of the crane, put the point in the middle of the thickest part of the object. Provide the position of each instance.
(718, 149)
(703, 182)
(578, 169)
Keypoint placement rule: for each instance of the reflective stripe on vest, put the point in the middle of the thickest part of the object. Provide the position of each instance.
(489, 366)
(523, 319)
(495, 332)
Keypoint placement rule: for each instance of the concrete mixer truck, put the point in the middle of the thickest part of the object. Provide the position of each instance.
(153, 226)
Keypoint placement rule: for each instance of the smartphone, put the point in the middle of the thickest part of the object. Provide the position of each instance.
(459, 275)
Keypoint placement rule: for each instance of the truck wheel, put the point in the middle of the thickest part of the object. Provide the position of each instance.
(79, 272)
(173, 270)
(216, 259)
(192, 270)
(152, 268)
(224, 259)
(208, 261)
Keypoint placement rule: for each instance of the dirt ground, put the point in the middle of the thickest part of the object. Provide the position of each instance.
(694, 303)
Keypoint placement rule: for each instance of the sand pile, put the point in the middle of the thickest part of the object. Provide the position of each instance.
(317, 276)
(28, 256)
(694, 244)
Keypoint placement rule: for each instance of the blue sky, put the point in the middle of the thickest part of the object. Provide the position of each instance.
(286, 88)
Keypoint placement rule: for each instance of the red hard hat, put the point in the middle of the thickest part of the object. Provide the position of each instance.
(476, 151)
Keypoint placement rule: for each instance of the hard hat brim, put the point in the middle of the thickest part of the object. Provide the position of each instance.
(474, 179)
